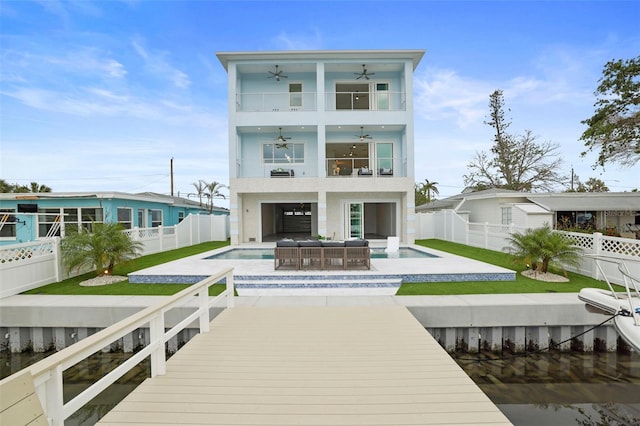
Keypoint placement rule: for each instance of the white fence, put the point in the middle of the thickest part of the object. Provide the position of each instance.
(449, 226)
(30, 265)
(47, 374)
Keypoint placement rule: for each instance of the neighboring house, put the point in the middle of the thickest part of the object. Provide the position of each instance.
(613, 212)
(321, 143)
(27, 217)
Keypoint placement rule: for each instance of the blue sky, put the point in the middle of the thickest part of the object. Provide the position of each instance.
(99, 96)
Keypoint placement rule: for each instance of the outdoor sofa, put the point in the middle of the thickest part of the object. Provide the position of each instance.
(321, 255)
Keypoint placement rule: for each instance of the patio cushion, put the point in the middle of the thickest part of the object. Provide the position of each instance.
(286, 243)
(356, 243)
(309, 243)
(332, 243)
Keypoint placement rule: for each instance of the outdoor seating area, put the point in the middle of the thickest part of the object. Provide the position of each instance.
(321, 255)
(282, 172)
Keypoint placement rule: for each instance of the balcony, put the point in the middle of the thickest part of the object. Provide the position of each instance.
(334, 101)
(359, 167)
(273, 102)
(367, 101)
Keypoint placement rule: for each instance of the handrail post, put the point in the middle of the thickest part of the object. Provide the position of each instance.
(156, 336)
(203, 298)
(54, 398)
(230, 290)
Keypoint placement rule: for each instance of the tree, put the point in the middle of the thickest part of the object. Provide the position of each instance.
(424, 192)
(200, 187)
(211, 191)
(516, 162)
(6, 187)
(101, 249)
(614, 128)
(541, 247)
(36, 187)
(592, 185)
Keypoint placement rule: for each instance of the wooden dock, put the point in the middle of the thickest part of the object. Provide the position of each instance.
(368, 365)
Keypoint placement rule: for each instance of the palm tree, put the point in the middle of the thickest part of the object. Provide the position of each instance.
(102, 248)
(200, 187)
(36, 187)
(541, 247)
(213, 190)
(424, 192)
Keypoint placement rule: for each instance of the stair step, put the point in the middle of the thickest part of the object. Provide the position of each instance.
(318, 287)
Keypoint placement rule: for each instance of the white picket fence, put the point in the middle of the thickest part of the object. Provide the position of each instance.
(30, 265)
(449, 226)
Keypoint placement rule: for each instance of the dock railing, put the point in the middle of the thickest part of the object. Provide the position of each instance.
(48, 373)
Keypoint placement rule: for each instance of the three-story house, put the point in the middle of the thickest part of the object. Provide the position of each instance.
(321, 143)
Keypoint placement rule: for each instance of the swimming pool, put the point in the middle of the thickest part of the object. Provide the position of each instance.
(267, 253)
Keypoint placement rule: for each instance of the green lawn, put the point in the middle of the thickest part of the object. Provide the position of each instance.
(72, 285)
(520, 285)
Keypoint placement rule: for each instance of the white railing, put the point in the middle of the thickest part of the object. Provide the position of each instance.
(365, 101)
(48, 373)
(26, 266)
(276, 102)
(449, 226)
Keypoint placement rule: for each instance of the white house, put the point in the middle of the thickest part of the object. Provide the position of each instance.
(321, 143)
(612, 212)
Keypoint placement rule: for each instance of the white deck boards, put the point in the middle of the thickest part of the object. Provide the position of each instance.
(306, 365)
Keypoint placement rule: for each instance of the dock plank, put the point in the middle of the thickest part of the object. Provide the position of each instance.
(310, 366)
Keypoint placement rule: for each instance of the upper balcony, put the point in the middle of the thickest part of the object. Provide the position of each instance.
(348, 97)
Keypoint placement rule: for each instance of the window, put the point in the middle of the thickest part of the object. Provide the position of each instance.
(506, 215)
(382, 95)
(55, 221)
(295, 95)
(142, 218)
(384, 154)
(283, 153)
(156, 218)
(49, 222)
(180, 216)
(125, 217)
(89, 216)
(8, 221)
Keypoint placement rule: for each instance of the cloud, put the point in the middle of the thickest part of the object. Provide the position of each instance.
(157, 63)
(312, 41)
(442, 94)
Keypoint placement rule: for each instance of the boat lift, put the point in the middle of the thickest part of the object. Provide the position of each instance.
(625, 305)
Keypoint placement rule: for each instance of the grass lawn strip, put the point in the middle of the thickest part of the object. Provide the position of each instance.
(124, 288)
(522, 284)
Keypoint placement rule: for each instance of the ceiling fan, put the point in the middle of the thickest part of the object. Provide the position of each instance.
(362, 136)
(277, 74)
(282, 140)
(364, 73)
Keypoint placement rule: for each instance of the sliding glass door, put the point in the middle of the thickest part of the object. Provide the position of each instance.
(354, 220)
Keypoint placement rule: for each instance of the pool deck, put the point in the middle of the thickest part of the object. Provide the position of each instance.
(384, 276)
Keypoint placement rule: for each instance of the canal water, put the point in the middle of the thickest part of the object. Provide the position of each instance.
(555, 389)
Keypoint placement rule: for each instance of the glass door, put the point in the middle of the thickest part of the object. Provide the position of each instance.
(381, 96)
(355, 220)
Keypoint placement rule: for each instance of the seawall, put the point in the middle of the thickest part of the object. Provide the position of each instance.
(470, 322)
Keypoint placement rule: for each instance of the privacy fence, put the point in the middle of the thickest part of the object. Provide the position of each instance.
(449, 226)
(30, 265)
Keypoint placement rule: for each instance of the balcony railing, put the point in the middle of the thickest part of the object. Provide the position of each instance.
(368, 101)
(265, 102)
(307, 101)
(358, 167)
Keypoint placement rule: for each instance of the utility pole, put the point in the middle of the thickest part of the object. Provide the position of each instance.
(171, 166)
(571, 178)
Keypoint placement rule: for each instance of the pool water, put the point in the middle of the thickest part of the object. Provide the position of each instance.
(267, 253)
